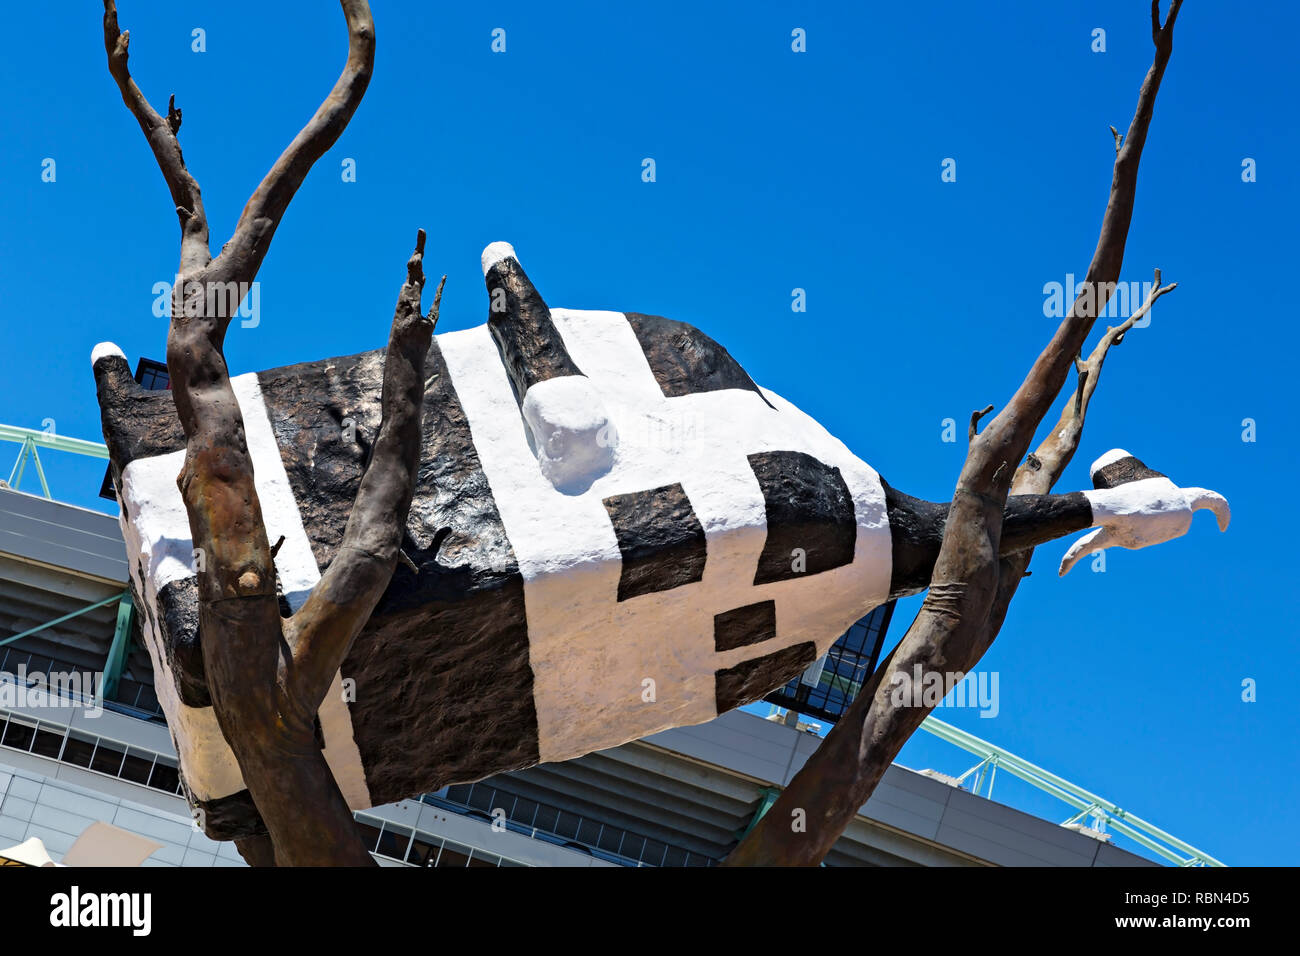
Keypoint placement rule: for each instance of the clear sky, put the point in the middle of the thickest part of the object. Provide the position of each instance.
(775, 171)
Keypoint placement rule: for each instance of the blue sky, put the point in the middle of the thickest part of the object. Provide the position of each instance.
(775, 171)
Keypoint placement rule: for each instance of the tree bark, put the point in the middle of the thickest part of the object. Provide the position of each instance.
(970, 587)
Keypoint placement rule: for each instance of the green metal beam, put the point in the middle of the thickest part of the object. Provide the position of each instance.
(40, 472)
(1133, 827)
(767, 797)
(115, 599)
(16, 476)
(40, 439)
(119, 650)
(31, 440)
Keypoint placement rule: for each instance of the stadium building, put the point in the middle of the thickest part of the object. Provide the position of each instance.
(82, 740)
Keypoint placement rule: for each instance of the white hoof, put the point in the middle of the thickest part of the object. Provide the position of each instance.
(1141, 513)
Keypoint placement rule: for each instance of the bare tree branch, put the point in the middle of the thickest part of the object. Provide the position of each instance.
(320, 634)
(242, 256)
(161, 134)
(952, 629)
(975, 417)
(1042, 469)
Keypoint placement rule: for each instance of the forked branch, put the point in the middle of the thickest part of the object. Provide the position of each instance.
(1042, 469)
(244, 253)
(320, 634)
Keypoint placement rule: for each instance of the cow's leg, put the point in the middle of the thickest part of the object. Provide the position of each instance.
(1130, 506)
(572, 434)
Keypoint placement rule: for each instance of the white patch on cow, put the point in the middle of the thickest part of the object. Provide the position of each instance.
(573, 437)
(294, 562)
(104, 350)
(158, 521)
(590, 653)
(157, 535)
(156, 528)
(494, 252)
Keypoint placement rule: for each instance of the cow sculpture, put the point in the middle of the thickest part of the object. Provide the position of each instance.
(615, 532)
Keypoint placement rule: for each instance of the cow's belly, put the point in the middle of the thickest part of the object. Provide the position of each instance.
(642, 606)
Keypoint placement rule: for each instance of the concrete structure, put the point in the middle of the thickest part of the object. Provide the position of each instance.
(682, 797)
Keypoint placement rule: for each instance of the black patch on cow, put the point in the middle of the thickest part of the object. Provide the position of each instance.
(178, 629)
(751, 680)
(684, 360)
(230, 818)
(444, 688)
(660, 538)
(529, 342)
(808, 507)
(742, 626)
(1121, 472)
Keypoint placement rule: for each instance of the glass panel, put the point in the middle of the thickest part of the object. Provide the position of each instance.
(18, 735)
(78, 751)
(164, 777)
(523, 811)
(610, 839)
(546, 817)
(423, 851)
(453, 854)
(136, 768)
(107, 759)
(459, 794)
(393, 841)
(47, 743)
(851, 659)
(369, 835)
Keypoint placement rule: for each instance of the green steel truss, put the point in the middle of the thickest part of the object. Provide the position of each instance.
(31, 440)
(1084, 803)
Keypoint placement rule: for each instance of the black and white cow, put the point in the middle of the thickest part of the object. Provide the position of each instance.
(616, 532)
